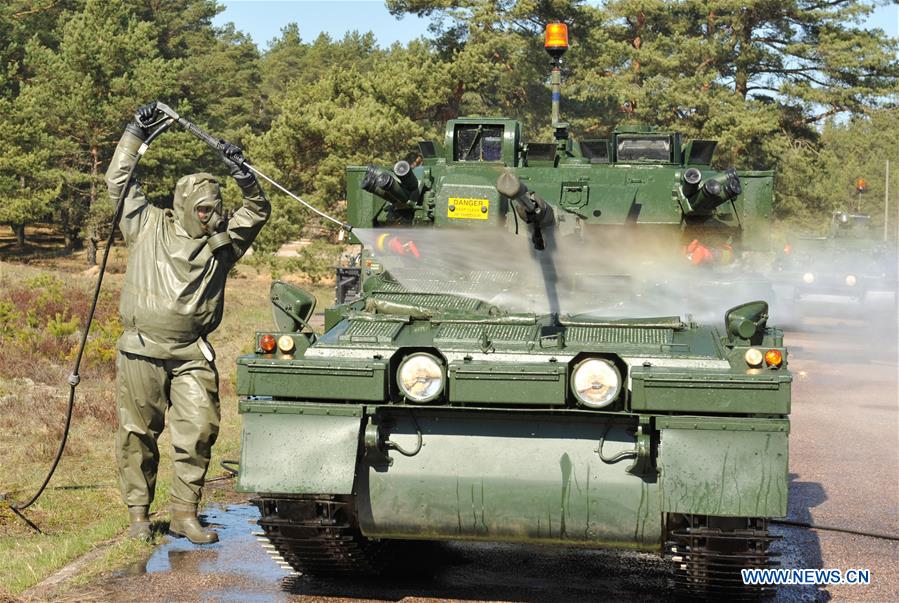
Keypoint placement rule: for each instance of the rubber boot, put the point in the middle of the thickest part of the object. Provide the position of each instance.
(140, 524)
(185, 523)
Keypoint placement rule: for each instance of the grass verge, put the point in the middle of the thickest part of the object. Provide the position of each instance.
(41, 308)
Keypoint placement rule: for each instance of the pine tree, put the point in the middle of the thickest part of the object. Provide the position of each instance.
(760, 76)
(822, 178)
(28, 180)
(347, 112)
(106, 65)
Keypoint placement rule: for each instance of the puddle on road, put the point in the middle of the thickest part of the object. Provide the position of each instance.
(236, 568)
(236, 551)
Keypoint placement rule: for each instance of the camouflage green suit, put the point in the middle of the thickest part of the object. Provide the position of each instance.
(172, 298)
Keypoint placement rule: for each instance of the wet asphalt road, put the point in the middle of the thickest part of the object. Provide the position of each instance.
(844, 465)
(844, 446)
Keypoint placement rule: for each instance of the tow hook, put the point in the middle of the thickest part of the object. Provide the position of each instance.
(642, 464)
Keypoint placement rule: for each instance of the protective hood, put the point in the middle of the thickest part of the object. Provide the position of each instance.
(198, 194)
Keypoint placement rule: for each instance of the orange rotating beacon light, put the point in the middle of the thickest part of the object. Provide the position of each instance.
(556, 43)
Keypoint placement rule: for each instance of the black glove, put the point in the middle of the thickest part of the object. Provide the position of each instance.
(233, 157)
(143, 119)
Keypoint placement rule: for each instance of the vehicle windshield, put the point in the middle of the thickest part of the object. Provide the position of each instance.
(478, 143)
(853, 226)
(644, 148)
(597, 151)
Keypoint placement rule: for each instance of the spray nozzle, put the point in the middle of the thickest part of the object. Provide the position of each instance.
(167, 111)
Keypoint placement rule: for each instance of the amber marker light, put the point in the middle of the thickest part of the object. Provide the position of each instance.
(267, 344)
(774, 358)
(556, 37)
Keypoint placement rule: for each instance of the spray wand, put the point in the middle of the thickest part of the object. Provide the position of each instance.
(218, 144)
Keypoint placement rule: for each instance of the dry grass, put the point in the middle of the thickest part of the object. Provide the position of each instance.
(41, 308)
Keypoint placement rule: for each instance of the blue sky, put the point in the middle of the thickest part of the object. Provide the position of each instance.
(263, 19)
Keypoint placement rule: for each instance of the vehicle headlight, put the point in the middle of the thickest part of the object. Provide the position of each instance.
(851, 280)
(753, 357)
(595, 382)
(420, 377)
(808, 278)
(286, 344)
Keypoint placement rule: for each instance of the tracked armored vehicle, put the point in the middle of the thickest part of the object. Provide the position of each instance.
(479, 396)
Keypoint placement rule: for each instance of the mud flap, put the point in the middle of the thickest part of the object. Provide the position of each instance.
(723, 467)
(288, 449)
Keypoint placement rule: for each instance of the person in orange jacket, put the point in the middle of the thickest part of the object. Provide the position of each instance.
(699, 254)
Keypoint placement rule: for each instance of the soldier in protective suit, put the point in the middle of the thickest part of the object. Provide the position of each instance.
(172, 298)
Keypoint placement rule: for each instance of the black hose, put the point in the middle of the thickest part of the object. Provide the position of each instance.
(403, 451)
(231, 468)
(624, 454)
(419, 444)
(818, 526)
(75, 378)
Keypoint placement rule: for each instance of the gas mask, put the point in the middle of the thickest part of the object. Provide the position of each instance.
(197, 205)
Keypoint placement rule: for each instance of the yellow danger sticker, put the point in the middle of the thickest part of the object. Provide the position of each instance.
(468, 209)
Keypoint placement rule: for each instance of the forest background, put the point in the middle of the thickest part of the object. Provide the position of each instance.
(798, 86)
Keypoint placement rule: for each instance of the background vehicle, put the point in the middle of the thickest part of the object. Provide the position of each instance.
(850, 262)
